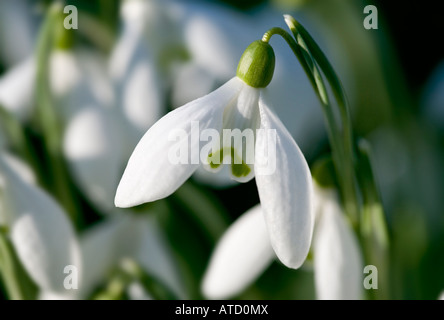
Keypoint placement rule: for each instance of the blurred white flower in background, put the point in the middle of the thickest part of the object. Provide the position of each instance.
(244, 252)
(105, 104)
(39, 229)
(106, 245)
(17, 89)
(135, 63)
(18, 20)
(338, 262)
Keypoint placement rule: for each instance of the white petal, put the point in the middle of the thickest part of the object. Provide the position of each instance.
(285, 192)
(338, 265)
(150, 174)
(40, 232)
(241, 255)
(242, 118)
(91, 145)
(17, 89)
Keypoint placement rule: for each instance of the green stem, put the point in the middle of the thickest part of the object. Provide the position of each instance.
(46, 117)
(10, 278)
(374, 231)
(313, 74)
(347, 161)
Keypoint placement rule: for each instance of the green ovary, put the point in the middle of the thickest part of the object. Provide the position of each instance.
(237, 169)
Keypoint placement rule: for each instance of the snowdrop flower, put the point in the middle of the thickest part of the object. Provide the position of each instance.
(105, 245)
(244, 252)
(212, 38)
(40, 231)
(285, 191)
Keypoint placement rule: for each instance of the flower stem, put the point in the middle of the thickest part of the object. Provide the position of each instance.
(46, 117)
(7, 271)
(17, 283)
(341, 139)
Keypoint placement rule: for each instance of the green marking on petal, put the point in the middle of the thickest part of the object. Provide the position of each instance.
(240, 170)
(237, 169)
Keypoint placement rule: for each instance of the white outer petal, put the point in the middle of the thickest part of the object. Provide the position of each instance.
(241, 255)
(41, 233)
(338, 265)
(92, 148)
(285, 194)
(150, 175)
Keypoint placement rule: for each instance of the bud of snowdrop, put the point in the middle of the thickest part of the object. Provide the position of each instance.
(256, 66)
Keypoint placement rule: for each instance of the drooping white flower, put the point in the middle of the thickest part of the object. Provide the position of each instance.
(244, 252)
(284, 190)
(214, 43)
(40, 231)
